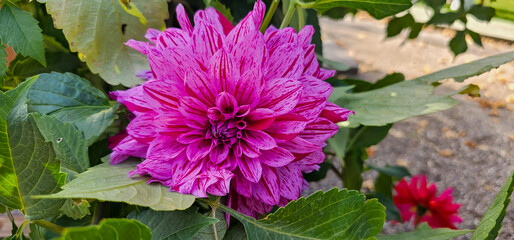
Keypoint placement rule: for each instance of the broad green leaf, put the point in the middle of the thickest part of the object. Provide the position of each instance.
(333, 64)
(339, 141)
(482, 13)
(173, 225)
(335, 214)
(76, 210)
(475, 36)
(384, 185)
(3, 61)
(235, 232)
(471, 90)
(458, 43)
(21, 31)
(424, 232)
(397, 24)
(25, 67)
(393, 171)
(368, 136)
(111, 183)
(412, 98)
(491, 222)
(67, 141)
(207, 233)
(377, 8)
(392, 212)
(28, 165)
(71, 98)
(353, 166)
(98, 29)
(108, 229)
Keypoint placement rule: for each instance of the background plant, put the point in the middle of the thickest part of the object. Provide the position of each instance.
(55, 118)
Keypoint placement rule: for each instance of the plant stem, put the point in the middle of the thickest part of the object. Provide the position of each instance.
(20, 229)
(357, 135)
(289, 14)
(269, 15)
(214, 225)
(48, 225)
(301, 17)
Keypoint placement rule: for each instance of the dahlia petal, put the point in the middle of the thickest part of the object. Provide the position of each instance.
(311, 162)
(285, 61)
(172, 37)
(192, 136)
(305, 35)
(281, 95)
(184, 171)
(183, 19)
(250, 168)
(126, 148)
(276, 157)
(267, 189)
(171, 124)
(287, 126)
(133, 99)
(199, 149)
(222, 186)
(335, 113)
(219, 153)
(141, 47)
(260, 118)
(240, 32)
(249, 88)
(258, 13)
(162, 95)
(259, 139)
(299, 145)
(225, 24)
(206, 40)
(250, 52)
(227, 104)
(145, 74)
(310, 61)
(192, 108)
(223, 71)
(200, 85)
(116, 139)
(156, 168)
(152, 34)
(280, 37)
(290, 181)
(141, 128)
(323, 74)
(166, 148)
(319, 131)
(249, 150)
(242, 185)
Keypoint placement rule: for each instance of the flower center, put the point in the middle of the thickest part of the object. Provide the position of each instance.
(228, 131)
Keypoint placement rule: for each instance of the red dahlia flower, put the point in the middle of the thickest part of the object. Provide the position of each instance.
(229, 110)
(417, 201)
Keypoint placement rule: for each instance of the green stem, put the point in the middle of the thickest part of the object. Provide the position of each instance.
(289, 14)
(269, 15)
(20, 229)
(301, 17)
(48, 225)
(214, 209)
(359, 133)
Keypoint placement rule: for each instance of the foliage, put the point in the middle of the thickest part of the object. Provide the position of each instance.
(55, 120)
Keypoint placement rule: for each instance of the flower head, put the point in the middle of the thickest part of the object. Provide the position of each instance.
(417, 201)
(229, 110)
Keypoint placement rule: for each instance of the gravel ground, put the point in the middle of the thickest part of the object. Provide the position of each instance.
(469, 147)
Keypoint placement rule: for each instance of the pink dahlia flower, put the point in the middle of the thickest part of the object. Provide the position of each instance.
(417, 201)
(229, 110)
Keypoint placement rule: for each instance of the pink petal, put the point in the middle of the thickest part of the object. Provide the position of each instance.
(258, 13)
(287, 126)
(290, 181)
(154, 167)
(206, 40)
(200, 85)
(285, 61)
(305, 35)
(162, 95)
(184, 170)
(219, 153)
(227, 104)
(250, 52)
(319, 131)
(260, 118)
(171, 38)
(223, 72)
(280, 37)
(128, 147)
(141, 128)
(281, 95)
(311, 162)
(267, 189)
(166, 148)
(249, 150)
(242, 185)
(314, 97)
(171, 124)
(259, 139)
(250, 168)
(276, 157)
(183, 19)
(335, 113)
(133, 99)
(141, 47)
(152, 34)
(222, 186)
(249, 88)
(199, 149)
(191, 136)
(299, 145)
(192, 108)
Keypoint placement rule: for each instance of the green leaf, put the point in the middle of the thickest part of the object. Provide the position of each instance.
(397, 24)
(220, 8)
(207, 233)
(76, 210)
(393, 171)
(412, 98)
(424, 232)
(28, 165)
(67, 141)
(471, 90)
(388, 80)
(111, 183)
(21, 31)
(353, 166)
(482, 13)
(458, 43)
(333, 64)
(392, 212)
(173, 225)
(335, 214)
(113, 228)
(384, 185)
(475, 36)
(3, 60)
(235, 232)
(491, 222)
(24, 67)
(444, 18)
(368, 136)
(94, 29)
(339, 141)
(71, 98)
(318, 175)
(377, 8)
